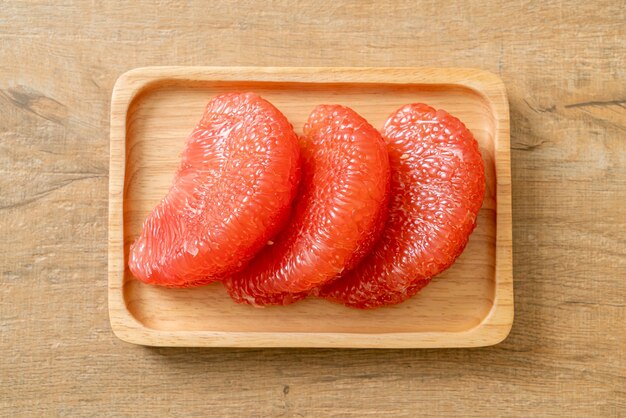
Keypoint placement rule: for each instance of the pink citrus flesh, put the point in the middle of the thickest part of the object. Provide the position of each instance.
(231, 194)
(338, 214)
(437, 189)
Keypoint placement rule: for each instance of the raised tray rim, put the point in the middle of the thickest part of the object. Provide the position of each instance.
(493, 329)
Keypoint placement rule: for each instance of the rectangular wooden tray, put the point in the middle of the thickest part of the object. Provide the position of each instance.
(154, 109)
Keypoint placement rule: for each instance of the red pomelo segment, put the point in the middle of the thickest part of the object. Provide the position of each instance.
(232, 193)
(339, 213)
(437, 189)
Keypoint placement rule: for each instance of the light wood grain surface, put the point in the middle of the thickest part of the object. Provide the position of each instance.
(564, 65)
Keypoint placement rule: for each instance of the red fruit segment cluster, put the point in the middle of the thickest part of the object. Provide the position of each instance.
(338, 214)
(372, 220)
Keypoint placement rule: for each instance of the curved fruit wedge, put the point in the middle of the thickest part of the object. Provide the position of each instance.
(232, 193)
(437, 189)
(338, 215)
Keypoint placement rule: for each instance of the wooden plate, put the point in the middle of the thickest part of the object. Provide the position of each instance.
(154, 109)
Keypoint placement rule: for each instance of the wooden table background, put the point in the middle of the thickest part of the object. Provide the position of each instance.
(565, 70)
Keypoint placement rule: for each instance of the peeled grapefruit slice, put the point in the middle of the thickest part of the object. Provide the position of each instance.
(338, 214)
(232, 193)
(437, 189)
